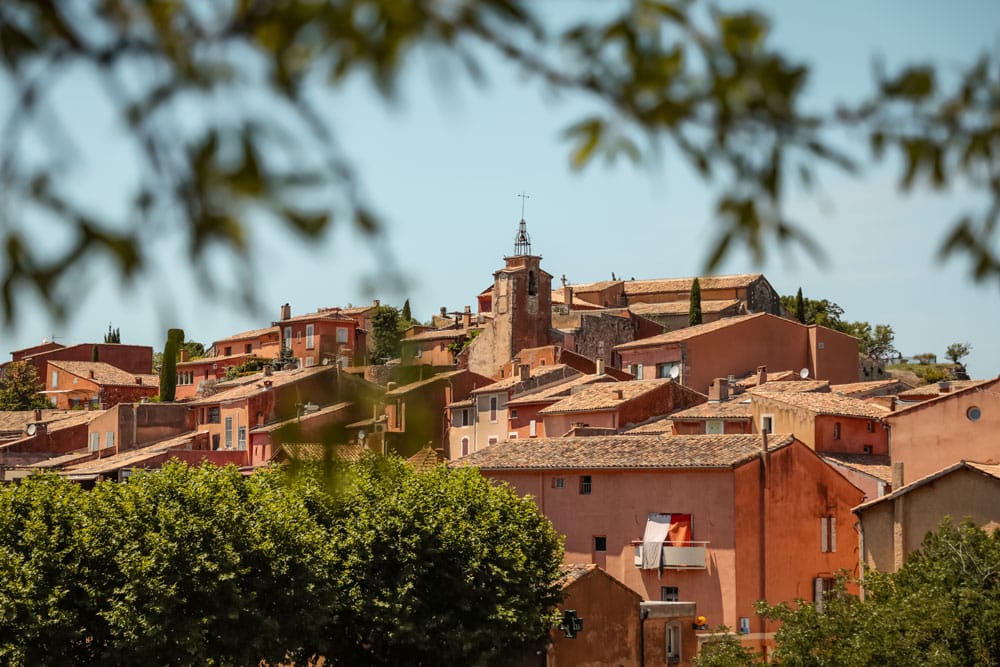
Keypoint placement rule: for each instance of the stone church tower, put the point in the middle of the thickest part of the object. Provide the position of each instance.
(522, 309)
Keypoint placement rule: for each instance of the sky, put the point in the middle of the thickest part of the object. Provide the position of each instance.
(444, 163)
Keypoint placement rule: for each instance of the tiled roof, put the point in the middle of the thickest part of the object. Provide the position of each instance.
(990, 469)
(77, 418)
(306, 417)
(407, 388)
(424, 460)
(933, 390)
(684, 284)
(772, 376)
(214, 360)
(688, 332)
(105, 373)
(254, 333)
(539, 373)
(17, 420)
(559, 298)
(314, 451)
(793, 386)
(603, 396)
(737, 408)
(440, 334)
(658, 426)
(623, 451)
(826, 404)
(680, 307)
(63, 460)
(555, 392)
(332, 314)
(357, 310)
(571, 573)
(875, 465)
(596, 287)
(254, 384)
(862, 388)
(128, 458)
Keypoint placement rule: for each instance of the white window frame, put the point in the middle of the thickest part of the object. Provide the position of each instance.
(288, 338)
(718, 423)
(55, 379)
(310, 336)
(95, 441)
(310, 361)
(512, 435)
(672, 642)
(342, 335)
(241, 438)
(109, 439)
(492, 440)
(769, 420)
(228, 421)
(828, 534)
(532, 429)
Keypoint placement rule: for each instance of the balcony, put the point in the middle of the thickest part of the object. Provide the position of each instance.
(691, 556)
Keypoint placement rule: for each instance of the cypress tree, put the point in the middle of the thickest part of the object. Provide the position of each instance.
(694, 311)
(800, 307)
(168, 373)
(407, 317)
(95, 353)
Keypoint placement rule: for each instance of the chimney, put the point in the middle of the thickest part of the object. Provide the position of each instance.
(719, 391)
(525, 372)
(444, 311)
(184, 356)
(376, 303)
(467, 317)
(91, 373)
(761, 375)
(138, 380)
(568, 296)
(599, 367)
(286, 312)
(897, 475)
(619, 394)
(267, 371)
(944, 386)
(38, 415)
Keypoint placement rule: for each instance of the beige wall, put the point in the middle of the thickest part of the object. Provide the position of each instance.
(959, 494)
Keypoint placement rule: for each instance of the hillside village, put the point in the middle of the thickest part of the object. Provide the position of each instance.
(693, 469)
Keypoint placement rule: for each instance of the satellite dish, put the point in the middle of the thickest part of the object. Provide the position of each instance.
(804, 373)
(31, 429)
(361, 435)
(326, 361)
(675, 372)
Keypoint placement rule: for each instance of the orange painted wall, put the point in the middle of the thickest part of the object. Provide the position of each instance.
(854, 435)
(927, 439)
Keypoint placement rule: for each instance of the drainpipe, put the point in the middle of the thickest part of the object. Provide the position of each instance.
(861, 555)
(643, 615)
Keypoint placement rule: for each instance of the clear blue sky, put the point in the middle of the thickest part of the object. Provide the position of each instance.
(444, 165)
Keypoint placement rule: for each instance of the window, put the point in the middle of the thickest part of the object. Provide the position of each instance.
(871, 426)
(288, 338)
(229, 432)
(55, 378)
(558, 482)
(713, 426)
(465, 416)
(669, 594)
(974, 413)
(95, 441)
(398, 417)
(228, 350)
(836, 430)
(600, 542)
(635, 370)
(828, 534)
(867, 449)
(664, 370)
(767, 423)
(310, 361)
(109, 439)
(310, 336)
(465, 446)
(532, 429)
(248, 348)
(512, 435)
(342, 335)
(585, 485)
(241, 439)
(822, 587)
(418, 352)
(513, 414)
(213, 416)
(492, 440)
(493, 408)
(673, 643)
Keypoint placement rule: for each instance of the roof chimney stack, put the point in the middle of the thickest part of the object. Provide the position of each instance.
(467, 317)
(944, 386)
(286, 312)
(599, 367)
(568, 296)
(719, 390)
(761, 375)
(38, 415)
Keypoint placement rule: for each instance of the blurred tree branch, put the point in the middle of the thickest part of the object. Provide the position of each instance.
(185, 79)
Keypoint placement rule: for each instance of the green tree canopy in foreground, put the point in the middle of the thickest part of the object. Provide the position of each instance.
(181, 76)
(201, 566)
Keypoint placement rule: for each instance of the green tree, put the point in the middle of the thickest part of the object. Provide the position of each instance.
(694, 306)
(405, 315)
(710, 84)
(440, 567)
(726, 651)
(194, 349)
(168, 370)
(19, 387)
(113, 335)
(958, 351)
(816, 311)
(800, 307)
(386, 334)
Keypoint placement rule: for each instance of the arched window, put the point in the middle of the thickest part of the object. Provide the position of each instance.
(465, 446)
(532, 284)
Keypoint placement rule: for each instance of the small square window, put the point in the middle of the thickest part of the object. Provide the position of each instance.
(669, 594)
(600, 543)
(558, 482)
(585, 485)
(513, 413)
(867, 449)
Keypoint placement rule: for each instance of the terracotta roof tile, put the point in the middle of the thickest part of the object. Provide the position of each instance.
(933, 390)
(333, 314)
(688, 332)
(105, 373)
(603, 396)
(657, 426)
(737, 408)
(407, 388)
(440, 334)
(597, 286)
(315, 451)
(555, 392)
(680, 307)
(792, 386)
(253, 333)
(826, 404)
(304, 419)
(17, 420)
(542, 374)
(971, 386)
(874, 465)
(991, 469)
(254, 384)
(860, 389)
(684, 284)
(131, 457)
(623, 452)
(772, 376)
(214, 360)
(568, 574)
(424, 460)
